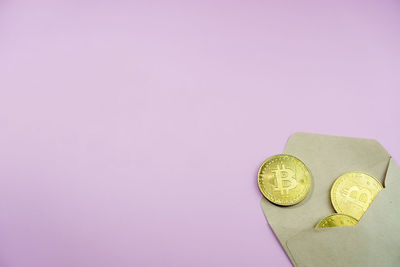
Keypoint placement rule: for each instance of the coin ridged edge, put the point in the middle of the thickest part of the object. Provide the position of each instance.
(335, 214)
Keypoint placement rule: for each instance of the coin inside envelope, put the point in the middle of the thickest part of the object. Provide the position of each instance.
(353, 192)
(327, 157)
(336, 220)
(374, 241)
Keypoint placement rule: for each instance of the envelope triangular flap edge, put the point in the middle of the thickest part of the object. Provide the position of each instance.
(374, 241)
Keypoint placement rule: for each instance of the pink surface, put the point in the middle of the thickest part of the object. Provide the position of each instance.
(131, 133)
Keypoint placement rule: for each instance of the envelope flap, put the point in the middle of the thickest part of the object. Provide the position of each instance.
(374, 241)
(327, 157)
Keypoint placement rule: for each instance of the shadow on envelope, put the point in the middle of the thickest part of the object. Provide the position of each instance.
(374, 241)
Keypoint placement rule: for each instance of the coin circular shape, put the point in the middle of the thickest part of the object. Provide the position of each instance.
(353, 192)
(284, 180)
(337, 220)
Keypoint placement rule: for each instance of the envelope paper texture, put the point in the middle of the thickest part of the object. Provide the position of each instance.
(374, 241)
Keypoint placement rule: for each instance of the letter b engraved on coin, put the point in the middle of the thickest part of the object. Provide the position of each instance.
(359, 196)
(353, 192)
(284, 179)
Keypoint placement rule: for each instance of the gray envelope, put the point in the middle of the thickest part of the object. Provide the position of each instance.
(374, 241)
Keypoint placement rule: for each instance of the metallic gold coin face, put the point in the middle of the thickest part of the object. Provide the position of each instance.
(337, 220)
(284, 180)
(353, 192)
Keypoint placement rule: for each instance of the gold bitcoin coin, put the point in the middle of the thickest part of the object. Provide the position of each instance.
(337, 220)
(284, 180)
(353, 192)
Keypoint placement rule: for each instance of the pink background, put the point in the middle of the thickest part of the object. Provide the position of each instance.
(131, 132)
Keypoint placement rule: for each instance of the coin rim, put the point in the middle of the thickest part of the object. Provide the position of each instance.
(336, 184)
(335, 214)
(298, 200)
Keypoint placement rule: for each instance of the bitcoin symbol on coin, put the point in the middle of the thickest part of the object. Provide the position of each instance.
(284, 179)
(353, 192)
(361, 197)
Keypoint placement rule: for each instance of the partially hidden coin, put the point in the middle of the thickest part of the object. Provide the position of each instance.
(337, 220)
(353, 192)
(284, 180)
